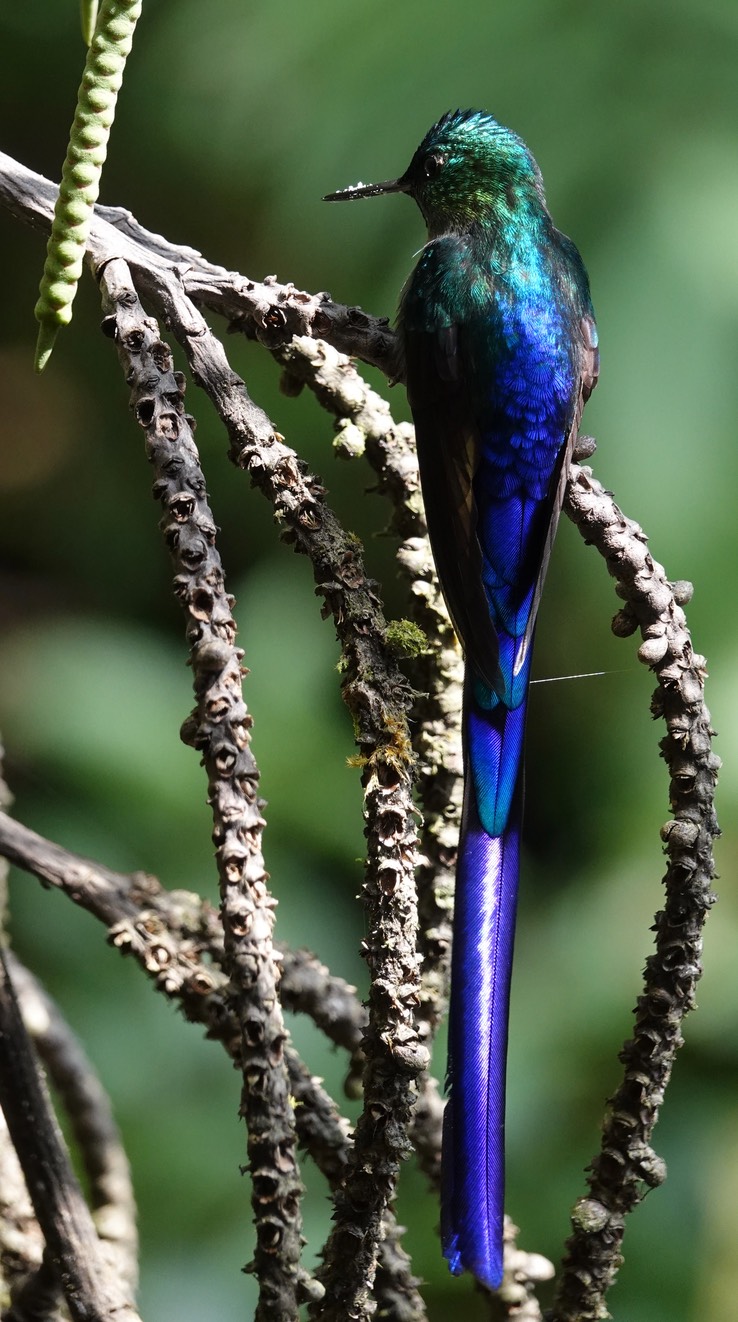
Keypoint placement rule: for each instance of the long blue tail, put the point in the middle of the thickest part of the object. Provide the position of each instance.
(473, 1165)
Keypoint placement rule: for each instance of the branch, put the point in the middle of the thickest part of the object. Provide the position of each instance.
(92, 1291)
(309, 988)
(376, 693)
(219, 729)
(177, 939)
(396, 1292)
(22, 1275)
(91, 1117)
(435, 664)
(21, 1241)
(163, 932)
(626, 1167)
(161, 929)
(263, 305)
(321, 1130)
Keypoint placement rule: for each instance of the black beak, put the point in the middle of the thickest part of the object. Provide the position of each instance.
(367, 190)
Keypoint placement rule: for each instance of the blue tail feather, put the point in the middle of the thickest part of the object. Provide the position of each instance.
(484, 929)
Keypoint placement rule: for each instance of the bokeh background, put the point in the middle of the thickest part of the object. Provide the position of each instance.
(233, 121)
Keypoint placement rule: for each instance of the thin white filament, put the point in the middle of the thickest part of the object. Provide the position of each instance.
(591, 674)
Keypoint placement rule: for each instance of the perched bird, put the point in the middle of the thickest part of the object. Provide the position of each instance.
(500, 354)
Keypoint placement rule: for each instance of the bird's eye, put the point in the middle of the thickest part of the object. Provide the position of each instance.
(433, 164)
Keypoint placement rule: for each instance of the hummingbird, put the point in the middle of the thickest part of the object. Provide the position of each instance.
(498, 337)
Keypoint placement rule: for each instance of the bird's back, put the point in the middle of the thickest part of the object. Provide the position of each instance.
(493, 346)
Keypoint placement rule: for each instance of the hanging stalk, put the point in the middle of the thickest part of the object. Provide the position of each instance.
(80, 184)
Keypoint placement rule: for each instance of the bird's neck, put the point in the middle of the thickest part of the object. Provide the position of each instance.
(502, 214)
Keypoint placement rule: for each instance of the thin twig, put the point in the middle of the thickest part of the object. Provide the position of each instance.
(6, 802)
(157, 927)
(321, 1129)
(515, 1300)
(396, 1288)
(91, 1117)
(31, 1285)
(626, 1166)
(307, 987)
(91, 1288)
(21, 1241)
(177, 937)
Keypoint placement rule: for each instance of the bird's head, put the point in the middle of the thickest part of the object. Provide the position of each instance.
(467, 171)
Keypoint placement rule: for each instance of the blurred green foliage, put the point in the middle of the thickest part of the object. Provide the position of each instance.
(233, 120)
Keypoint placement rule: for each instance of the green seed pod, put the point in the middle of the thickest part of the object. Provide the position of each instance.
(88, 144)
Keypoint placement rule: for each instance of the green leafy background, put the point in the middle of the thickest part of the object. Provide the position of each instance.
(234, 119)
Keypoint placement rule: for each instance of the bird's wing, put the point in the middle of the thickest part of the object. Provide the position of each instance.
(589, 373)
(448, 452)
